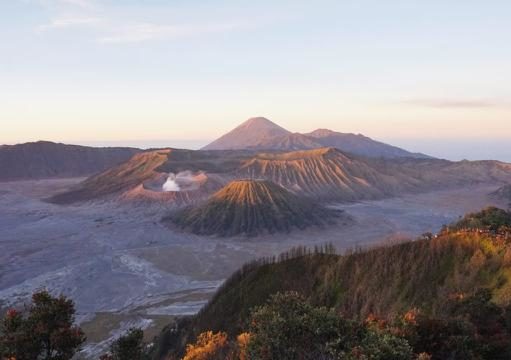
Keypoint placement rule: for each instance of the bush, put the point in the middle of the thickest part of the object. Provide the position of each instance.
(45, 330)
(288, 328)
(491, 218)
(128, 347)
(209, 346)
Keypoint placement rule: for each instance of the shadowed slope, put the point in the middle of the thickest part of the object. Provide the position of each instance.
(360, 145)
(503, 193)
(252, 207)
(44, 159)
(142, 167)
(289, 142)
(350, 143)
(442, 174)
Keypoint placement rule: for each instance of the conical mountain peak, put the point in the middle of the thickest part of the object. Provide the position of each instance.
(253, 207)
(249, 134)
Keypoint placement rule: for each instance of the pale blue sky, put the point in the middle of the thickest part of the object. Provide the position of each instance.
(433, 76)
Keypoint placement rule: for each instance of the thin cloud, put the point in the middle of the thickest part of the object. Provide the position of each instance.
(108, 28)
(80, 3)
(454, 104)
(70, 22)
(148, 31)
(119, 33)
(87, 4)
(51, 4)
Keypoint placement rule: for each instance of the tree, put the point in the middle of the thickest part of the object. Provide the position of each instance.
(44, 331)
(471, 327)
(127, 347)
(491, 327)
(242, 342)
(209, 346)
(490, 218)
(289, 328)
(15, 341)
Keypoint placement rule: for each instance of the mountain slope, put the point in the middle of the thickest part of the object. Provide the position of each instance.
(322, 173)
(44, 159)
(359, 145)
(290, 142)
(350, 143)
(263, 135)
(252, 207)
(424, 274)
(142, 167)
(384, 280)
(503, 193)
(443, 174)
(248, 135)
(143, 176)
(330, 175)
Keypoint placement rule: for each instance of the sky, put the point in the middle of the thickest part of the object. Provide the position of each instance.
(431, 76)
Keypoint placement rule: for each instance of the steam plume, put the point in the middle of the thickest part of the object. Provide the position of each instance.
(171, 184)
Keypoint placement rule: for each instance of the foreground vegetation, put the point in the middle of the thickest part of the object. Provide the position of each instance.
(44, 330)
(457, 285)
(490, 220)
(288, 327)
(440, 297)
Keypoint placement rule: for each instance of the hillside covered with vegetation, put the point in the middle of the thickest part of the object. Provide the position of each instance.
(455, 287)
(491, 219)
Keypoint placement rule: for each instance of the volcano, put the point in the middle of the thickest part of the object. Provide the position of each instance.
(248, 135)
(325, 174)
(253, 207)
(261, 134)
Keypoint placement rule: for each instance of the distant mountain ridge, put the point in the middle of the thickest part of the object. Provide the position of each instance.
(262, 134)
(325, 174)
(360, 145)
(45, 159)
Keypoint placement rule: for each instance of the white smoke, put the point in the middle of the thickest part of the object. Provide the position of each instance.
(182, 181)
(171, 184)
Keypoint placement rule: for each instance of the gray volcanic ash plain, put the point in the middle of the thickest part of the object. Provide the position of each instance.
(123, 267)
